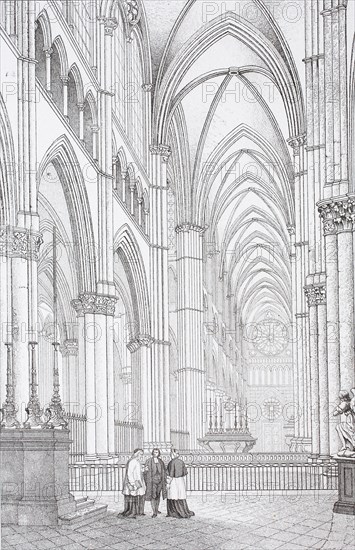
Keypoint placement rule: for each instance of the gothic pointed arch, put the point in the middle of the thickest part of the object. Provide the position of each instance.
(279, 62)
(63, 158)
(8, 179)
(44, 21)
(126, 246)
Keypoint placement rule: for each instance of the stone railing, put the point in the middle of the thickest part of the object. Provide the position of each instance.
(77, 427)
(218, 477)
(200, 457)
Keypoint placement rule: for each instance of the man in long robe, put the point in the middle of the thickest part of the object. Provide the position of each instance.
(155, 479)
(176, 503)
(134, 487)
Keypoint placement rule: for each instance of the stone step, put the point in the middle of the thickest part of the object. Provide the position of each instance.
(84, 515)
(84, 503)
(81, 500)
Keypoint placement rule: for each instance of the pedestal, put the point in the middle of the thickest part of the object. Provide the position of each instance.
(227, 442)
(346, 486)
(34, 476)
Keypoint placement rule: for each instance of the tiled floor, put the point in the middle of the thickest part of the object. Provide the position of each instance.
(221, 522)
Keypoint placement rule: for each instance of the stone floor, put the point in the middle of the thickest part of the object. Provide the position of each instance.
(221, 522)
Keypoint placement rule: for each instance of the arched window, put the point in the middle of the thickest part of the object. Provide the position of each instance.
(56, 78)
(40, 55)
(119, 70)
(135, 100)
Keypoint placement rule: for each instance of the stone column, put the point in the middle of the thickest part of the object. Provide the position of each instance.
(71, 377)
(24, 240)
(81, 121)
(315, 296)
(338, 214)
(48, 54)
(158, 392)
(191, 371)
(336, 103)
(105, 194)
(65, 81)
(299, 256)
(19, 250)
(96, 341)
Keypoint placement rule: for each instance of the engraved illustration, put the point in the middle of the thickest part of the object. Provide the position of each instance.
(177, 292)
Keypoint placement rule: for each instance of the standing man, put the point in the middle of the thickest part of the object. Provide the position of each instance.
(134, 487)
(155, 479)
(176, 504)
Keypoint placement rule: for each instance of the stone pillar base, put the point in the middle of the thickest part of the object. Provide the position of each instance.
(34, 476)
(300, 445)
(346, 486)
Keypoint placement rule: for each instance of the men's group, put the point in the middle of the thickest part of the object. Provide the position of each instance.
(153, 480)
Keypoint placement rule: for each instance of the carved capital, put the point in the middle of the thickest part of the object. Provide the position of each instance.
(20, 243)
(147, 87)
(315, 294)
(98, 304)
(126, 377)
(70, 347)
(163, 150)
(338, 214)
(134, 345)
(187, 226)
(110, 24)
(138, 341)
(296, 143)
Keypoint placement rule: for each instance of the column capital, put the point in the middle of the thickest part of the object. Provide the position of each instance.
(98, 304)
(315, 294)
(341, 5)
(147, 87)
(16, 242)
(140, 340)
(110, 24)
(70, 347)
(338, 214)
(126, 377)
(296, 142)
(187, 226)
(163, 150)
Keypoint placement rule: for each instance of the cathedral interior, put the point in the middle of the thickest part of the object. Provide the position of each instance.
(177, 229)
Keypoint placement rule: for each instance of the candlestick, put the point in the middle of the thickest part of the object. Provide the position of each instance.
(9, 410)
(55, 412)
(33, 409)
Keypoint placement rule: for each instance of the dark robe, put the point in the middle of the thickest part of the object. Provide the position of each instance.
(177, 507)
(155, 479)
(133, 506)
